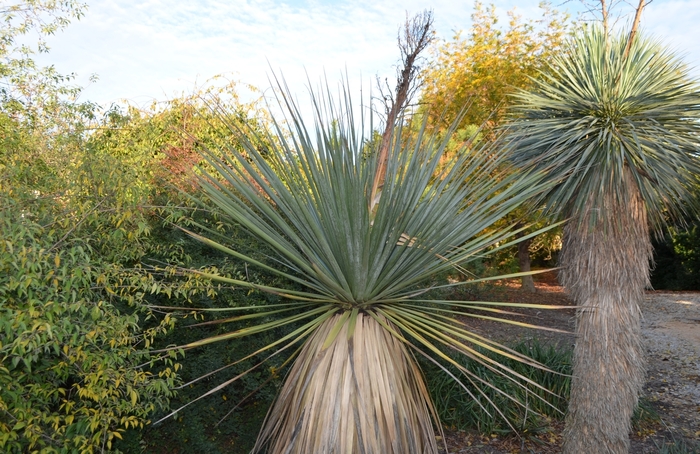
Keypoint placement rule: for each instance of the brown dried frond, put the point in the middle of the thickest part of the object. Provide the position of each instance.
(367, 390)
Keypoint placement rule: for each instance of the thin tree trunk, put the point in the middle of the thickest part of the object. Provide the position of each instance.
(635, 26)
(417, 35)
(526, 282)
(605, 264)
(604, 10)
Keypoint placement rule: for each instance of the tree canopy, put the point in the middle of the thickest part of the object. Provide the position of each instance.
(481, 69)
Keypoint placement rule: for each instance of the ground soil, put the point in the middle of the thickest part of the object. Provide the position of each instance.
(671, 330)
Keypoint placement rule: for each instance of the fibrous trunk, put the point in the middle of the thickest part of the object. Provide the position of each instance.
(362, 394)
(605, 262)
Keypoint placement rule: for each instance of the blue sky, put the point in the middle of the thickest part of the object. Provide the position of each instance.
(146, 50)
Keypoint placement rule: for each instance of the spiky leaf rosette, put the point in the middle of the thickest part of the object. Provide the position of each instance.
(355, 386)
(597, 112)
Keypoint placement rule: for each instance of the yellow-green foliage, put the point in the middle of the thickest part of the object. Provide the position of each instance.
(84, 248)
(74, 330)
(482, 68)
(84, 251)
(69, 378)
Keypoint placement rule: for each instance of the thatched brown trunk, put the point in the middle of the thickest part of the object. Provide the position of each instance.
(362, 394)
(605, 262)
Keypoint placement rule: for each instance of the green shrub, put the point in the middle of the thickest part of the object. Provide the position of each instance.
(75, 283)
(69, 379)
(458, 409)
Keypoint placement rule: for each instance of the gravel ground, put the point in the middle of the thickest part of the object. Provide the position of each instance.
(671, 330)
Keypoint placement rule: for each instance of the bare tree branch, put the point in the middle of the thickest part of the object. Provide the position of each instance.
(415, 35)
(605, 11)
(609, 12)
(635, 25)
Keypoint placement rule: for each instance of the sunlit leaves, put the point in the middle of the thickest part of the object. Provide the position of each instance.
(482, 67)
(68, 377)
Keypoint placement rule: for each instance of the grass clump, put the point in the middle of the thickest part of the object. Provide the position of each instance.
(679, 447)
(528, 412)
(535, 409)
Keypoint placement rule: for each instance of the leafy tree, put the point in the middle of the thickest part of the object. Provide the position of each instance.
(38, 96)
(74, 328)
(42, 17)
(73, 347)
(614, 124)
(483, 69)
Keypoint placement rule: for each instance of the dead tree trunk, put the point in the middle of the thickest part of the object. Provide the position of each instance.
(416, 35)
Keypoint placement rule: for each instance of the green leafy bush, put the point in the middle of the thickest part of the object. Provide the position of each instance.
(71, 378)
(87, 250)
(75, 329)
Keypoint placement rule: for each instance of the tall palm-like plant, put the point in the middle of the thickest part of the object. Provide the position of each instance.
(355, 385)
(616, 123)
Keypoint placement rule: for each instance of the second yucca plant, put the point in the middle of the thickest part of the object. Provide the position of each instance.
(363, 315)
(615, 122)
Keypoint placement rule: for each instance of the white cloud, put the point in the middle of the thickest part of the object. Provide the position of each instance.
(146, 49)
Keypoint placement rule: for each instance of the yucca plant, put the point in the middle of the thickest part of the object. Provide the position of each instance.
(363, 315)
(616, 122)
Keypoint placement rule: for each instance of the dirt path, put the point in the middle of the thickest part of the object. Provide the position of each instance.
(671, 330)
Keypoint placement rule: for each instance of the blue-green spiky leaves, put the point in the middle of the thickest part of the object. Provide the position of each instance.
(363, 271)
(307, 198)
(598, 111)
